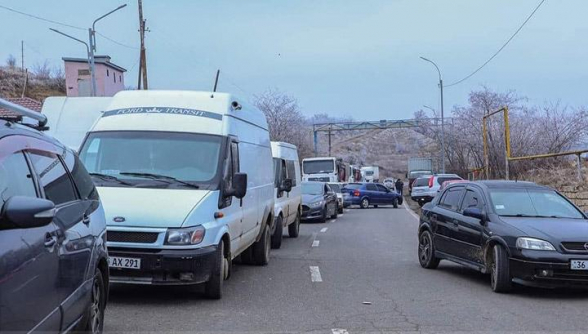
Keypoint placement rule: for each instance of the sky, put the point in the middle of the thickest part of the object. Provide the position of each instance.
(356, 59)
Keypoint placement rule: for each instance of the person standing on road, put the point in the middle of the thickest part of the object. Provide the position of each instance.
(399, 185)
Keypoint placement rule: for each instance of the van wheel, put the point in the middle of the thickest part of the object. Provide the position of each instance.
(94, 322)
(395, 203)
(500, 280)
(277, 237)
(214, 286)
(294, 228)
(365, 203)
(261, 249)
(427, 257)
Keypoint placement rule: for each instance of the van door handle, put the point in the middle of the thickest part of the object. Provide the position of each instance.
(50, 240)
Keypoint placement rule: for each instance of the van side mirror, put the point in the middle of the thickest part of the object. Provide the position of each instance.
(239, 188)
(286, 185)
(27, 212)
(475, 213)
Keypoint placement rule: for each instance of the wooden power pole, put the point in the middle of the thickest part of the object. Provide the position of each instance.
(142, 56)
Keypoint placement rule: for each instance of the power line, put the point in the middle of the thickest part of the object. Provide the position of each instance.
(41, 18)
(117, 42)
(501, 48)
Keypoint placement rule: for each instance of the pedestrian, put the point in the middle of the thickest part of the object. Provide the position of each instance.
(399, 186)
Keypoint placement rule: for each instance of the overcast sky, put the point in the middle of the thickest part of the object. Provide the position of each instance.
(344, 58)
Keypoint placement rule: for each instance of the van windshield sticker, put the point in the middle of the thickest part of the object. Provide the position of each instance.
(163, 110)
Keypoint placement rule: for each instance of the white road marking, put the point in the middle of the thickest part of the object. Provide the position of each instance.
(412, 213)
(315, 274)
(339, 331)
(315, 243)
(334, 220)
(324, 229)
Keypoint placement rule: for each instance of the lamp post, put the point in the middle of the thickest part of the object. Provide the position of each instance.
(92, 35)
(442, 116)
(87, 50)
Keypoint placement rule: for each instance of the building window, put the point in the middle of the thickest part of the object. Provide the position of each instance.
(83, 72)
(114, 77)
(107, 73)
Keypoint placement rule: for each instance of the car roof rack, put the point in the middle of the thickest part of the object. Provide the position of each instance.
(20, 110)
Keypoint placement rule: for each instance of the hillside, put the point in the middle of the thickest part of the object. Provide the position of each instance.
(39, 86)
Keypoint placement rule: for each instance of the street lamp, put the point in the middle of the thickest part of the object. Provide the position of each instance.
(426, 106)
(442, 118)
(88, 52)
(92, 35)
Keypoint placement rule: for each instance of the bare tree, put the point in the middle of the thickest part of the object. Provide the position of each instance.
(42, 70)
(285, 120)
(11, 61)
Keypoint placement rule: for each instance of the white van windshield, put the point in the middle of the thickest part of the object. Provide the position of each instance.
(127, 155)
(318, 166)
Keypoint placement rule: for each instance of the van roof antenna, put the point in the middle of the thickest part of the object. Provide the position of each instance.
(215, 83)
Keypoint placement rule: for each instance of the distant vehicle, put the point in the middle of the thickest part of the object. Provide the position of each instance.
(389, 183)
(366, 194)
(370, 173)
(288, 193)
(425, 192)
(518, 232)
(187, 183)
(337, 188)
(418, 167)
(319, 201)
(355, 175)
(70, 118)
(53, 256)
(324, 169)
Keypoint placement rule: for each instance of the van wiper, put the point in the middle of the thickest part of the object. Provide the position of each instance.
(106, 177)
(160, 177)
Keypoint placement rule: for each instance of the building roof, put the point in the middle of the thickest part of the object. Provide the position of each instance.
(23, 101)
(105, 60)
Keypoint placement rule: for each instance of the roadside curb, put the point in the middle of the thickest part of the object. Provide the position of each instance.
(412, 213)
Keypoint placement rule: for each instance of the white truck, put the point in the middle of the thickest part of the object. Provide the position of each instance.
(325, 169)
(187, 184)
(370, 173)
(288, 191)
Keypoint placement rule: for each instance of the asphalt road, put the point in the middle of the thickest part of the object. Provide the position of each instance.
(360, 275)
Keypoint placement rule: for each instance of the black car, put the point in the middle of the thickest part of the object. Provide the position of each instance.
(517, 231)
(53, 257)
(319, 201)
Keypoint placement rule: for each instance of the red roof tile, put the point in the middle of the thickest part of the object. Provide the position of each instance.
(25, 102)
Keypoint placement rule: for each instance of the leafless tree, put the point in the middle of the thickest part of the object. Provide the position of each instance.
(11, 61)
(42, 70)
(285, 120)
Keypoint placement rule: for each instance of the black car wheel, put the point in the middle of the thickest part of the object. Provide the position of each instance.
(365, 203)
(277, 237)
(500, 279)
(427, 257)
(95, 313)
(294, 228)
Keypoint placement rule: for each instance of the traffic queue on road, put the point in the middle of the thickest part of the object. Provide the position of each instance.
(164, 188)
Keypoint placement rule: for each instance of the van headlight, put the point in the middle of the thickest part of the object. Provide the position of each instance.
(534, 244)
(185, 236)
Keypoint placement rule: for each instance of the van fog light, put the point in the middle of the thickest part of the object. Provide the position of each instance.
(545, 273)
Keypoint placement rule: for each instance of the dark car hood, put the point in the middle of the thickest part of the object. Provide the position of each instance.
(306, 199)
(559, 229)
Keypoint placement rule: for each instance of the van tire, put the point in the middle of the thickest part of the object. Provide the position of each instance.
(261, 249)
(294, 228)
(214, 287)
(277, 237)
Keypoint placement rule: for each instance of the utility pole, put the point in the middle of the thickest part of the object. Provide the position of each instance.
(142, 56)
(329, 134)
(442, 116)
(22, 56)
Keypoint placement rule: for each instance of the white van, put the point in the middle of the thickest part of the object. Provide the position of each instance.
(288, 192)
(187, 184)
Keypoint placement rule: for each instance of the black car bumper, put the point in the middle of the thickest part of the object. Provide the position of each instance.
(165, 267)
(311, 212)
(548, 274)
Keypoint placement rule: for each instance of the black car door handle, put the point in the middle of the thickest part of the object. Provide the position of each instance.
(86, 219)
(50, 240)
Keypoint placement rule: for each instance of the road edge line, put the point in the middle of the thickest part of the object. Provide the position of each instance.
(412, 213)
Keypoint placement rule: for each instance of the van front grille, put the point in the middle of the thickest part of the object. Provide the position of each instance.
(132, 237)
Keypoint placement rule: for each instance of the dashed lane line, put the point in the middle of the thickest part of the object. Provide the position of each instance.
(324, 229)
(339, 331)
(315, 243)
(315, 274)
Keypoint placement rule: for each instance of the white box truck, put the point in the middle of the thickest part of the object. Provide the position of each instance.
(370, 173)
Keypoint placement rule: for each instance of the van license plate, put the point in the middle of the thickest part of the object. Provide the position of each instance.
(124, 262)
(579, 264)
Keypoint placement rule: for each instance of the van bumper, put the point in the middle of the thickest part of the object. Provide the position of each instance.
(165, 266)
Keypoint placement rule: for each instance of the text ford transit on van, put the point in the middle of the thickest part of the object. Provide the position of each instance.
(187, 184)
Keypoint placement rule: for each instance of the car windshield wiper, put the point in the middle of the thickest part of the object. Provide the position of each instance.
(110, 178)
(530, 216)
(160, 177)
